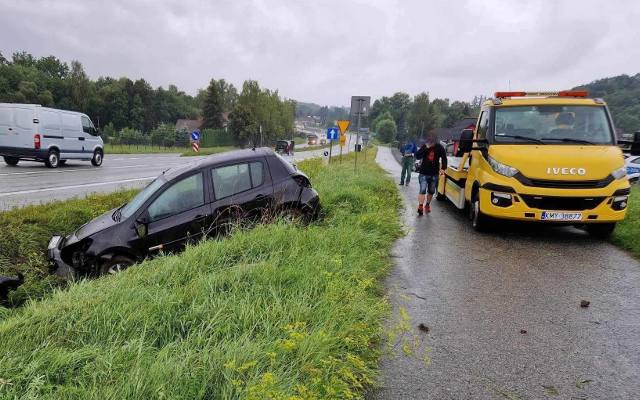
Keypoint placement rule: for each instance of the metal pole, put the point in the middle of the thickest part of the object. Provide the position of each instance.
(358, 134)
(330, 147)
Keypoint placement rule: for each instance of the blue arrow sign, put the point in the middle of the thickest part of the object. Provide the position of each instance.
(333, 133)
(195, 135)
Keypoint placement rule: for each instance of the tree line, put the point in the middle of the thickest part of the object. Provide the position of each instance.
(400, 116)
(135, 112)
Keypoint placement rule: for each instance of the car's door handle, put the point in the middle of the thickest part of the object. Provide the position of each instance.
(10, 129)
(261, 197)
(199, 217)
(80, 138)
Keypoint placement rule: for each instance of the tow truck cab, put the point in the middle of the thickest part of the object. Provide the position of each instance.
(549, 157)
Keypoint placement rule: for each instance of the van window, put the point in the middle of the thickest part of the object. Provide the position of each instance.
(5, 117)
(87, 126)
(24, 118)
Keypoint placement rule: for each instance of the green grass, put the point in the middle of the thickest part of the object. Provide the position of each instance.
(26, 233)
(277, 312)
(205, 151)
(627, 233)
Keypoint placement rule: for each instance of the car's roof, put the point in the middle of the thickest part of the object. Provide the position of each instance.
(217, 159)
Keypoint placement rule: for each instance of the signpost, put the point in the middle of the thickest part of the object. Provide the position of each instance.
(343, 125)
(359, 108)
(195, 141)
(332, 134)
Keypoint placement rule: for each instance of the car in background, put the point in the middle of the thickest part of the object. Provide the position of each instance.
(49, 135)
(185, 204)
(633, 167)
(312, 140)
(284, 147)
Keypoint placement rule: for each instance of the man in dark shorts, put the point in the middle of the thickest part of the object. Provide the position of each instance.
(434, 162)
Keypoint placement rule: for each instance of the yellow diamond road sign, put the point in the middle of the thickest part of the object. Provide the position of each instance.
(343, 125)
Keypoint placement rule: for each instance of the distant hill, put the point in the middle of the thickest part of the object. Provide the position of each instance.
(622, 94)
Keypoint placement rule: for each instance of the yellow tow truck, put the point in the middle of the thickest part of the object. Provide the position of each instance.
(545, 156)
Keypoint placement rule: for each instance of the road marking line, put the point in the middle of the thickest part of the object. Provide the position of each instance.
(76, 186)
(62, 171)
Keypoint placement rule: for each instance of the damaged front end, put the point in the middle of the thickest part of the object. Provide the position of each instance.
(68, 257)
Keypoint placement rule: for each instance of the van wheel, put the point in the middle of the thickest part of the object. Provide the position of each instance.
(115, 265)
(11, 161)
(479, 221)
(600, 231)
(96, 161)
(53, 159)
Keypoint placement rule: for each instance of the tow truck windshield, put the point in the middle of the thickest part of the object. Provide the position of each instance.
(551, 124)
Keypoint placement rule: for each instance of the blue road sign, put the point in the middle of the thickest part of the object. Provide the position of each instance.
(333, 133)
(195, 135)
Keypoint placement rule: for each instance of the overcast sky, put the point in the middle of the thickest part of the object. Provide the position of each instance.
(327, 50)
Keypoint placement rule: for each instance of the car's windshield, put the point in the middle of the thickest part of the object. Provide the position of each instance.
(552, 125)
(130, 208)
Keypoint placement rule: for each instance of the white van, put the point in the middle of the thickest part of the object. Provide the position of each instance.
(32, 132)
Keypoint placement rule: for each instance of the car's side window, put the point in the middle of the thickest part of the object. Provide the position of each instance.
(184, 195)
(230, 180)
(257, 173)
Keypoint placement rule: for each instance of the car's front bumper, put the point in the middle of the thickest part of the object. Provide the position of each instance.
(57, 264)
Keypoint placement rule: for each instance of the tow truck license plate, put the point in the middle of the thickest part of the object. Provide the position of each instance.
(561, 216)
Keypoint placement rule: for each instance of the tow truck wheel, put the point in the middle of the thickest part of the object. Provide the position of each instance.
(440, 197)
(479, 221)
(601, 231)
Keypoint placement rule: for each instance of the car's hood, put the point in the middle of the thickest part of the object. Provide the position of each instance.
(560, 162)
(92, 227)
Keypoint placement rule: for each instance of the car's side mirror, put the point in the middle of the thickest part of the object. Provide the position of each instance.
(466, 141)
(142, 223)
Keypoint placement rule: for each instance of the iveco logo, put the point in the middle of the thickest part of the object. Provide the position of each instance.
(566, 171)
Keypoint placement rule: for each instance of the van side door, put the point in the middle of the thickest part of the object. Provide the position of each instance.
(51, 129)
(24, 127)
(91, 138)
(73, 136)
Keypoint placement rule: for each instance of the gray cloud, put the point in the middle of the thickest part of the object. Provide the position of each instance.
(327, 50)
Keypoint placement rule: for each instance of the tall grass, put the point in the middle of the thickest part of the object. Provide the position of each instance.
(25, 233)
(280, 311)
(627, 233)
(139, 149)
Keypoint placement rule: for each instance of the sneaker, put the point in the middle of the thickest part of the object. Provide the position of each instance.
(420, 210)
(427, 208)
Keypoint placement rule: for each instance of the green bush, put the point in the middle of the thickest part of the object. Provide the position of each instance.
(216, 138)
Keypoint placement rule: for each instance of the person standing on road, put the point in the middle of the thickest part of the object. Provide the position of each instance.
(408, 151)
(434, 162)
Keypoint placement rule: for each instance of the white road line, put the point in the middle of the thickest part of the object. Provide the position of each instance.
(62, 171)
(76, 186)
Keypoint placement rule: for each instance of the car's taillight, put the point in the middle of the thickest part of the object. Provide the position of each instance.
(302, 181)
(36, 142)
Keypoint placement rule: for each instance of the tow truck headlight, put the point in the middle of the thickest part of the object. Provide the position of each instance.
(501, 168)
(619, 203)
(619, 173)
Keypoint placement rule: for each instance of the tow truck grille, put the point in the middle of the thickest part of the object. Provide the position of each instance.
(552, 184)
(562, 203)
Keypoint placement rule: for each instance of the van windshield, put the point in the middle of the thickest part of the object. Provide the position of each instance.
(552, 125)
(131, 207)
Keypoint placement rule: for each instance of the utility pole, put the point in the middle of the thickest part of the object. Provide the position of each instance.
(358, 133)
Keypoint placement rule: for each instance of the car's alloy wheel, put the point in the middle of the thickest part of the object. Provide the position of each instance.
(115, 265)
(292, 215)
(97, 158)
(53, 159)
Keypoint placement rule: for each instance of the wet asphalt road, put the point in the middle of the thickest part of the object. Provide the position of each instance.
(477, 292)
(33, 183)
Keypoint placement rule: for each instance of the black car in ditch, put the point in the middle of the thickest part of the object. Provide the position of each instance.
(184, 204)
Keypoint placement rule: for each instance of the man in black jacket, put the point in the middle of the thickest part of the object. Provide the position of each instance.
(434, 162)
